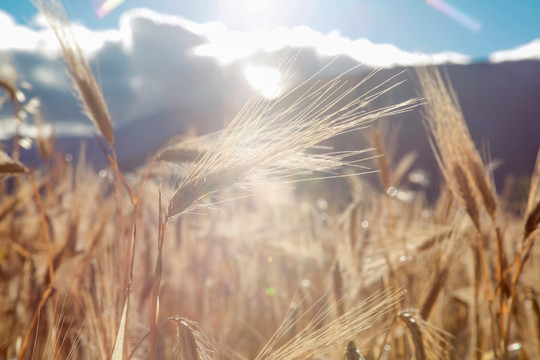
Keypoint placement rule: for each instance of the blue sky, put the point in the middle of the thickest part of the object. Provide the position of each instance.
(408, 24)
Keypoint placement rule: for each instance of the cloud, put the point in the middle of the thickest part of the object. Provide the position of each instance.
(21, 38)
(228, 46)
(530, 51)
(154, 64)
(39, 38)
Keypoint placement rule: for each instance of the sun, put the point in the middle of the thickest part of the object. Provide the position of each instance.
(266, 80)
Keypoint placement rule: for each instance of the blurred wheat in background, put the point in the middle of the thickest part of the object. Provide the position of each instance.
(207, 252)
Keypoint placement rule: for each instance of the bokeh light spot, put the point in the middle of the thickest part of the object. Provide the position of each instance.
(270, 291)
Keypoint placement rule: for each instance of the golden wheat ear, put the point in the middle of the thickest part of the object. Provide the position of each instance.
(318, 337)
(78, 69)
(428, 341)
(10, 166)
(190, 341)
(452, 144)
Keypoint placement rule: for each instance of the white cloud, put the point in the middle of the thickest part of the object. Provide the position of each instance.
(228, 46)
(40, 38)
(20, 37)
(530, 51)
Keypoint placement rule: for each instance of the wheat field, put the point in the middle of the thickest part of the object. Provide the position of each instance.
(208, 252)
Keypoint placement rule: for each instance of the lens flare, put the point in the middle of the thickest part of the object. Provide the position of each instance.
(455, 14)
(104, 7)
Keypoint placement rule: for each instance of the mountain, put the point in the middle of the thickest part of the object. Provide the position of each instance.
(500, 104)
(499, 101)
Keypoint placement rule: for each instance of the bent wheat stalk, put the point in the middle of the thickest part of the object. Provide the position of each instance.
(265, 134)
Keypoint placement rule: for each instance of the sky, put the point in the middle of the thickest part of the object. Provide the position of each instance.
(473, 28)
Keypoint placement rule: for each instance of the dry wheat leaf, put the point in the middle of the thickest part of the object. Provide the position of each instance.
(118, 350)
